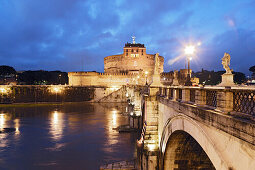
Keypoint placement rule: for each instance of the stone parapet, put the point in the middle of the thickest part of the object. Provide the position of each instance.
(231, 124)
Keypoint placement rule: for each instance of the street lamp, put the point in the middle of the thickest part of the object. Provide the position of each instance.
(189, 50)
(146, 74)
(57, 90)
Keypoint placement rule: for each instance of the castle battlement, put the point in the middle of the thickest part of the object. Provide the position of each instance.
(129, 67)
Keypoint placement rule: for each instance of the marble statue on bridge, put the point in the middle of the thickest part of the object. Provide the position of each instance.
(228, 77)
(226, 63)
(156, 76)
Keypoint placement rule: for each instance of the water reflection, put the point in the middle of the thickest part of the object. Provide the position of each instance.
(2, 120)
(17, 125)
(70, 136)
(3, 141)
(113, 134)
(114, 118)
(56, 125)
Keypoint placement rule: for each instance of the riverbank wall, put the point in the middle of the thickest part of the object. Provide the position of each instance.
(53, 93)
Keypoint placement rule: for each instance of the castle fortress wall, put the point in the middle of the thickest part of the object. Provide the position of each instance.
(104, 79)
(122, 63)
(127, 68)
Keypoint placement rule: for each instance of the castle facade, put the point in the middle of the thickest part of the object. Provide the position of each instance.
(134, 66)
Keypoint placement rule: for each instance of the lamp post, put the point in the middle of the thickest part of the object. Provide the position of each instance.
(146, 74)
(189, 50)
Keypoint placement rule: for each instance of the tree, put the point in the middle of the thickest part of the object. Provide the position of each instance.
(40, 77)
(7, 70)
(252, 69)
(239, 77)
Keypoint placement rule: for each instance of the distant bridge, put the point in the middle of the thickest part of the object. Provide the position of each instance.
(196, 127)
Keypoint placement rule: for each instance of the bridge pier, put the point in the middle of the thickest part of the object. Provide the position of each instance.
(150, 151)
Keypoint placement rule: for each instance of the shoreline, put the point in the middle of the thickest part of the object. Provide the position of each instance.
(33, 104)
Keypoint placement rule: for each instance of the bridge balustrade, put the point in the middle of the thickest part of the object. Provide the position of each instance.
(236, 100)
(171, 94)
(179, 94)
(211, 98)
(160, 91)
(192, 95)
(244, 101)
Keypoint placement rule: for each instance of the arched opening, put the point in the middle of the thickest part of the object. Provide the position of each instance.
(184, 152)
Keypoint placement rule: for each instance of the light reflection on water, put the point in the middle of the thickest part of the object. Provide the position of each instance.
(56, 125)
(2, 120)
(71, 136)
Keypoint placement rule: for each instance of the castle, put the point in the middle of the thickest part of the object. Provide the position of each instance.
(134, 66)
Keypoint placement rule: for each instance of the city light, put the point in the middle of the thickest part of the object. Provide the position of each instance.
(4, 90)
(56, 89)
(114, 88)
(151, 147)
(189, 49)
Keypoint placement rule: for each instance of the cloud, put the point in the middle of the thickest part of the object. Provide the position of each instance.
(72, 35)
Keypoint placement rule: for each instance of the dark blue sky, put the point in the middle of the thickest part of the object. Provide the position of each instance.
(73, 35)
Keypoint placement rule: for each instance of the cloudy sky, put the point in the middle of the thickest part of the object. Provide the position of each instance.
(75, 35)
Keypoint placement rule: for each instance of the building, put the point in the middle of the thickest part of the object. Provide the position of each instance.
(134, 66)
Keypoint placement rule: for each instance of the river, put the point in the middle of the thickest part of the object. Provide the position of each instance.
(66, 136)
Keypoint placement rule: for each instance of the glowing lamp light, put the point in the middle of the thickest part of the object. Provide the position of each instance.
(151, 147)
(113, 88)
(56, 89)
(4, 90)
(146, 73)
(189, 49)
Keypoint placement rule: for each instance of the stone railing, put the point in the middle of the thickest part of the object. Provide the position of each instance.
(235, 100)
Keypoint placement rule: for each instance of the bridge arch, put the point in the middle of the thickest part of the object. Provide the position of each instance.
(181, 129)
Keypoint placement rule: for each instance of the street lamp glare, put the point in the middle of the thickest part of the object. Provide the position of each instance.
(189, 49)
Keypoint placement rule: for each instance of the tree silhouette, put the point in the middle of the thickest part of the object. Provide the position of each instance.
(7, 70)
(252, 69)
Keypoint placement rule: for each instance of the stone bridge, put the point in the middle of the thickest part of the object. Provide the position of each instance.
(195, 127)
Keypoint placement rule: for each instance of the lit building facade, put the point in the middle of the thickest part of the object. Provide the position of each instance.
(133, 60)
(134, 66)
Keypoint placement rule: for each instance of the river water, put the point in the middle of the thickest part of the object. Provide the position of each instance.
(69, 136)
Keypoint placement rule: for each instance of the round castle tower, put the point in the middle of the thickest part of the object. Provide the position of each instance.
(133, 60)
